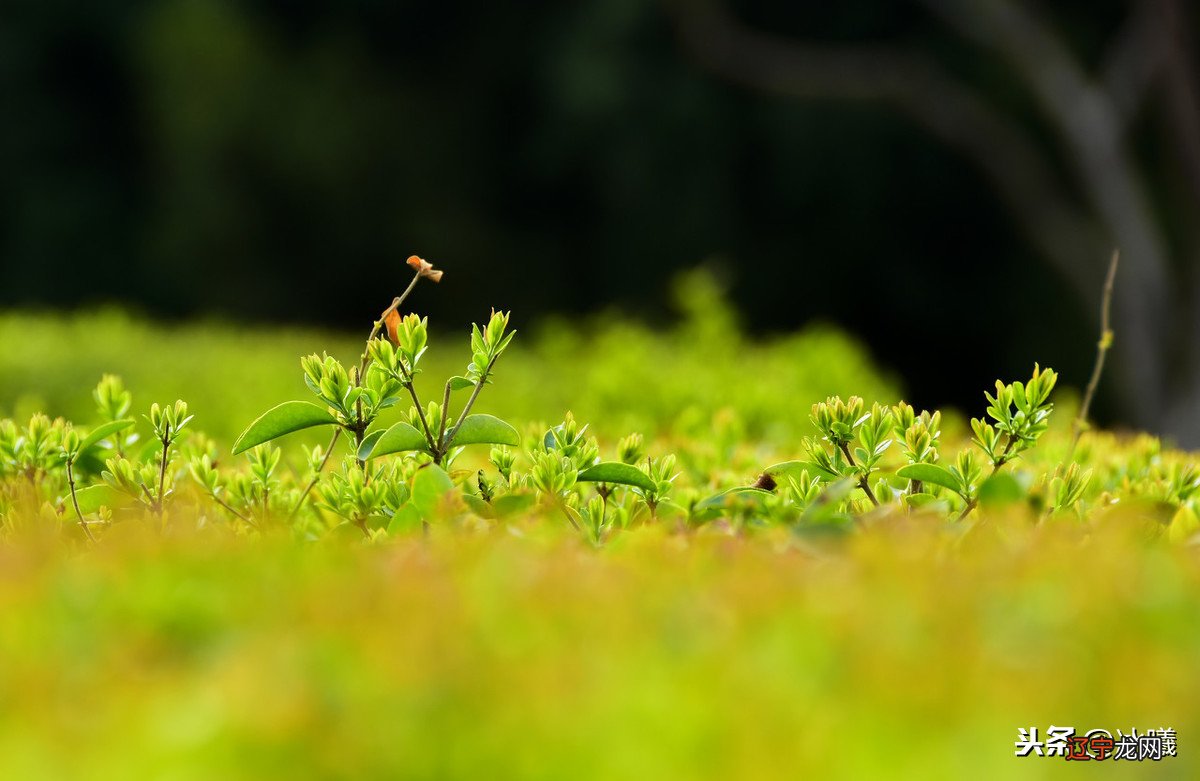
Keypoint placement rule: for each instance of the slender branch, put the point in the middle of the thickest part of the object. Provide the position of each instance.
(412, 391)
(1089, 125)
(440, 453)
(75, 501)
(226, 506)
(999, 462)
(862, 479)
(471, 401)
(360, 427)
(1106, 337)
(1182, 93)
(337, 432)
(162, 468)
(925, 93)
(396, 302)
(1133, 63)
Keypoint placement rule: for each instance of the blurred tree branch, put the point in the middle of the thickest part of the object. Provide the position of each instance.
(1149, 59)
(1132, 63)
(1092, 130)
(919, 88)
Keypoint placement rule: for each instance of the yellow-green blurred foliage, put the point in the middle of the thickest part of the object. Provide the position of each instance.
(458, 655)
(901, 647)
(622, 375)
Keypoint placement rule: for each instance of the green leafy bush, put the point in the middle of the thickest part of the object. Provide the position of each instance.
(773, 570)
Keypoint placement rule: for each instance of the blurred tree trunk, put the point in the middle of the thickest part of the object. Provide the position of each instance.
(1072, 224)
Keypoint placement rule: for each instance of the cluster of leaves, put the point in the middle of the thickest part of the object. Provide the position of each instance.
(404, 474)
(864, 465)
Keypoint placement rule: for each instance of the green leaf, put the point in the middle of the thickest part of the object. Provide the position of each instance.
(999, 490)
(103, 432)
(792, 469)
(430, 484)
(460, 383)
(511, 504)
(615, 472)
(922, 500)
(284, 419)
(932, 474)
(479, 506)
(94, 497)
(485, 429)
(368, 444)
(732, 496)
(406, 520)
(399, 438)
(827, 508)
(1183, 525)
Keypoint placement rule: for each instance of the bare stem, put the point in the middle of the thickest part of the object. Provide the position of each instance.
(337, 432)
(396, 302)
(440, 453)
(862, 480)
(162, 469)
(1102, 347)
(1001, 461)
(421, 416)
(75, 501)
(227, 507)
(360, 427)
(470, 403)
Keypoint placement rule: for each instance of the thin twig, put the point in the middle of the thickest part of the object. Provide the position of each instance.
(1102, 347)
(75, 501)
(337, 432)
(360, 427)
(441, 437)
(225, 505)
(421, 416)
(162, 469)
(862, 480)
(1004, 458)
(396, 302)
(470, 402)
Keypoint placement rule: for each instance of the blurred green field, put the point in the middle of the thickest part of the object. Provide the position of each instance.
(535, 657)
(623, 375)
(901, 647)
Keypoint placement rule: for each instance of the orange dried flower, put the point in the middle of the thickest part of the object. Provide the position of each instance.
(424, 268)
(392, 321)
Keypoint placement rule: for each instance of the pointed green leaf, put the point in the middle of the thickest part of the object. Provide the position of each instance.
(923, 500)
(731, 496)
(479, 506)
(284, 419)
(460, 383)
(485, 429)
(368, 444)
(94, 497)
(930, 473)
(103, 432)
(792, 469)
(406, 520)
(614, 472)
(1000, 490)
(511, 504)
(429, 485)
(399, 438)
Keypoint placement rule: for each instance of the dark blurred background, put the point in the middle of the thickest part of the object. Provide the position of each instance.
(944, 178)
